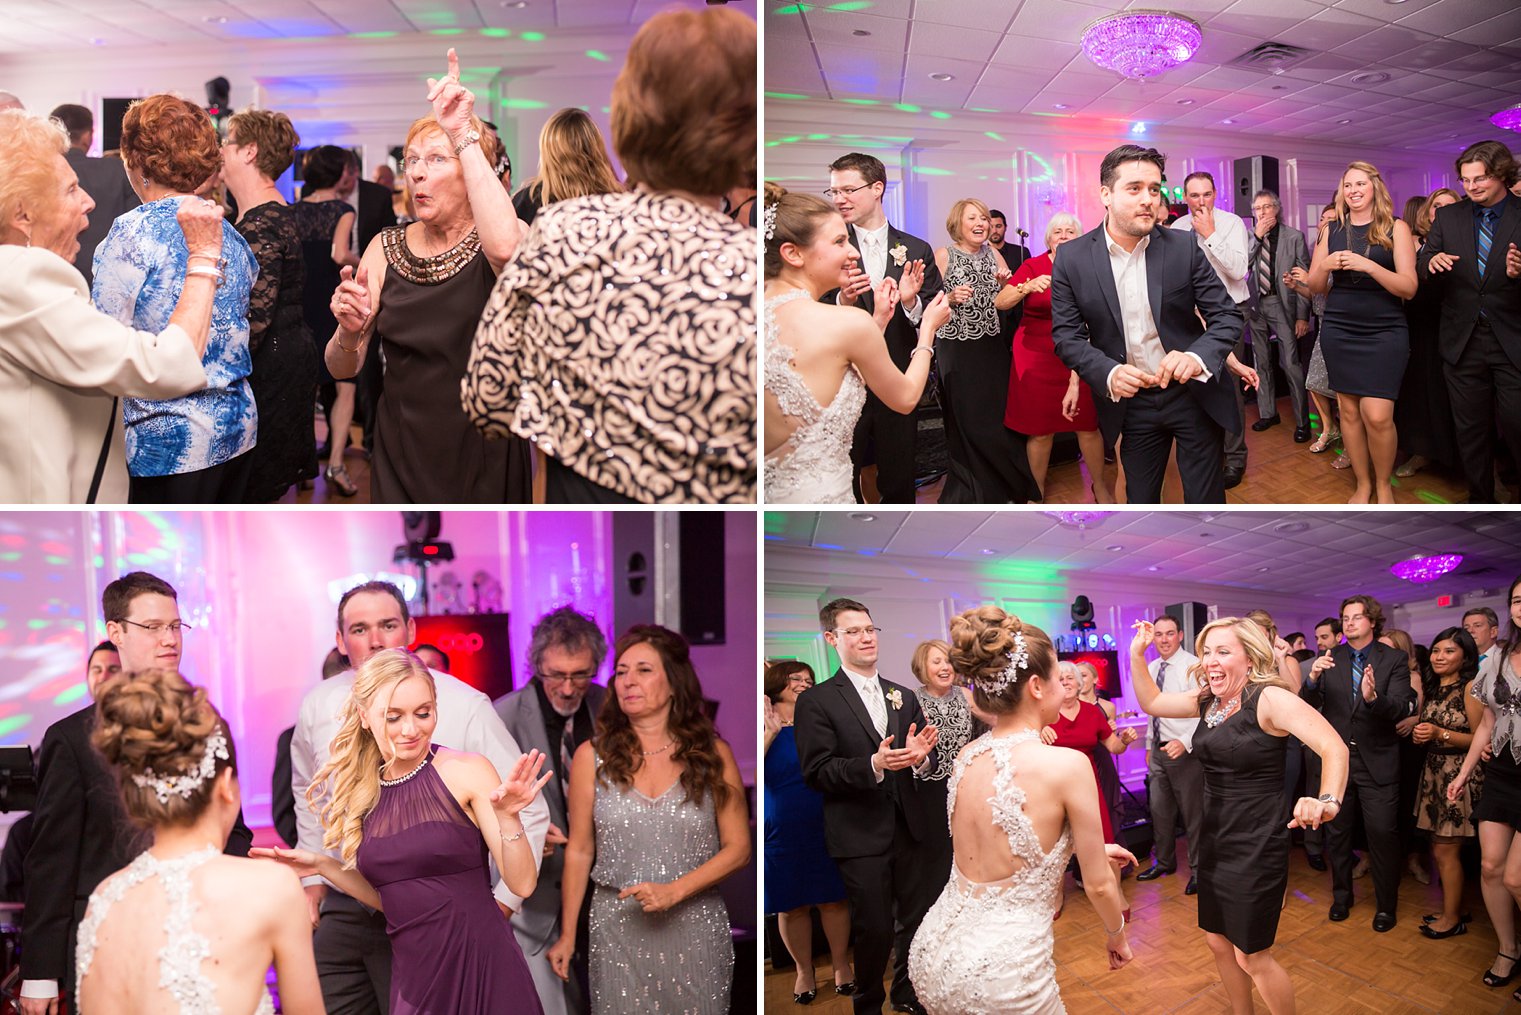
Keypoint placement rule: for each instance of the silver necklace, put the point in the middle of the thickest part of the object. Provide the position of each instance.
(1219, 711)
(662, 750)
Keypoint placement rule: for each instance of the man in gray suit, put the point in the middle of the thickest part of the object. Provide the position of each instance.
(555, 713)
(105, 180)
(1275, 249)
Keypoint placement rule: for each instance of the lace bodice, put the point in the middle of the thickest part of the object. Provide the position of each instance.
(184, 949)
(975, 318)
(952, 716)
(813, 465)
(1041, 870)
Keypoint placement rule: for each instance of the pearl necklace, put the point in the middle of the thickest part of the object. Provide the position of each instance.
(397, 782)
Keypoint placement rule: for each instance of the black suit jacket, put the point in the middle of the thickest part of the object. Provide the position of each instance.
(1464, 293)
(105, 180)
(374, 212)
(81, 837)
(901, 333)
(835, 742)
(1369, 725)
(1090, 335)
(282, 800)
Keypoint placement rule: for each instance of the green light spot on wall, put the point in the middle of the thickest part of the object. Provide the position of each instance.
(373, 35)
(15, 722)
(940, 114)
(597, 54)
(497, 33)
(818, 137)
(8, 557)
(850, 5)
(56, 561)
(983, 109)
(791, 140)
(522, 104)
(72, 694)
(785, 95)
(993, 134)
(447, 31)
(532, 36)
(791, 9)
(36, 625)
(929, 171)
(862, 102)
(100, 561)
(906, 107)
(772, 144)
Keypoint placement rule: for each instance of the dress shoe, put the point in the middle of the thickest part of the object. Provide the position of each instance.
(1458, 928)
(1233, 478)
(845, 989)
(1338, 912)
(1193, 885)
(912, 1007)
(1383, 922)
(1302, 434)
(1315, 860)
(1265, 422)
(1153, 872)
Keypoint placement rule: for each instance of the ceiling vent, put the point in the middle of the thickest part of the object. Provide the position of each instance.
(1272, 56)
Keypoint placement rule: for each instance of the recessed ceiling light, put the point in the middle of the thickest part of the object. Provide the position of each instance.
(942, 76)
(1060, 105)
(1227, 121)
(1289, 528)
(1262, 570)
(215, 19)
(1343, 121)
(1372, 77)
(860, 33)
(1394, 1)
(1185, 102)
(1154, 567)
(1116, 548)
(988, 553)
(516, 5)
(862, 516)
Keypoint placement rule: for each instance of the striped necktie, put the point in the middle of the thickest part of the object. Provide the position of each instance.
(1486, 237)
(1264, 271)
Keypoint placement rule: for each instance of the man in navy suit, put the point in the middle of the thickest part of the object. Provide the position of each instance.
(1473, 253)
(863, 742)
(1123, 302)
(856, 183)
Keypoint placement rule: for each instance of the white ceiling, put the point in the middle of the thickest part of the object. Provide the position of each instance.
(1264, 551)
(32, 26)
(1451, 63)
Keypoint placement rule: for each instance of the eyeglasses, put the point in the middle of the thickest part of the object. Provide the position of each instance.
(834, 192)
(856, 632)
(174, 627)
(228, 141)
(800, 678)
(434, 162)
(1475, 181)
(573, 679)
(1355, 616)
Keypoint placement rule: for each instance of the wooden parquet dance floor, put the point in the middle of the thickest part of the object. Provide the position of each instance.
(1337, 968)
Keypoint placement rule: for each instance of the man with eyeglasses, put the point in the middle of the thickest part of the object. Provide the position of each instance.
(556, 713)
(352, 950)
(883, 437)
(863, 744)
(1362, 686)
(1472, 255)
(81, 834)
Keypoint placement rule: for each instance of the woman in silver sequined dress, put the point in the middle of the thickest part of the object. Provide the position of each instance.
(657, 820)
(988, 462)
(1018, 809)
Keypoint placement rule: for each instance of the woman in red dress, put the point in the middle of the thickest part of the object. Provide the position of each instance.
(1044, 396)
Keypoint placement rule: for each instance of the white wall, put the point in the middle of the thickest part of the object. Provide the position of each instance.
(1034, 166)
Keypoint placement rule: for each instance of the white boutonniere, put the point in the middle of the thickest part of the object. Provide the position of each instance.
(896, 697)
(900, 254)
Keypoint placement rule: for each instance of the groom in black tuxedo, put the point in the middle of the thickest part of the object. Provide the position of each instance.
(1123, 301)
(1362, 686)
(874, 812)
(856, 183)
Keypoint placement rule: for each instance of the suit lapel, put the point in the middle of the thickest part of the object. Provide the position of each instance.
(1505, 232)
(857, 706)
(1155, 274)
(1105, 274)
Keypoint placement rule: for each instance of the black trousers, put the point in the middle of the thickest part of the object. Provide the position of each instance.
(218, 484)
(1154, 419)
(886, 438)
(353, 957)
(1485, 390)
(889, 894)
(1379, 805)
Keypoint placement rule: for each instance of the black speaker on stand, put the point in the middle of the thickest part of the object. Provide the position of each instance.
(1258, 172)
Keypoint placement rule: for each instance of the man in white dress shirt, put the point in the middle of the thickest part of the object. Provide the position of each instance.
(1223, 237)
(353, 952)
(1174, 777)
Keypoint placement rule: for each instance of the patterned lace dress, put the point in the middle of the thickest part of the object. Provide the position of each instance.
(184, 950)
(987, 947)
(813, 465)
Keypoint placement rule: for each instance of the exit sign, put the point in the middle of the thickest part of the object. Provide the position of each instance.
(1444, 600)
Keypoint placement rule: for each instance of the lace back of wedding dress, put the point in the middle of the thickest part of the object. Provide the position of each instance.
(184, 949)
(813, 465)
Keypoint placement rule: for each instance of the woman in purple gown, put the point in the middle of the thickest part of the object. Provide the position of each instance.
(415, 826)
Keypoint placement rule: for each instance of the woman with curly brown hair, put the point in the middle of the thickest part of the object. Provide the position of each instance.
(656, 801)
(194, 449)
(1018, 809)
(155, 936)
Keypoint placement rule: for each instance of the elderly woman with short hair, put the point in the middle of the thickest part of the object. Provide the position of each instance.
(1046, 398)
(65, 363)
(420, 289)
(260, 145)
(194, 449)
(621, 341)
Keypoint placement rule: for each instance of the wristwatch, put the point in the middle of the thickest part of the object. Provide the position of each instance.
(472, 136)
(1327, 798)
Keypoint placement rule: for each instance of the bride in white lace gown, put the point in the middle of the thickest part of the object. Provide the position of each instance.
(821, 358)
(1018, 809)
(183, 929)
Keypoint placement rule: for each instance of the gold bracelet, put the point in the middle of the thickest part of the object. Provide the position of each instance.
(346, 348)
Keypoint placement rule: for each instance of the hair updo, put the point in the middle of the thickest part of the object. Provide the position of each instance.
(158, 720)
(796, 221)
(982, 639)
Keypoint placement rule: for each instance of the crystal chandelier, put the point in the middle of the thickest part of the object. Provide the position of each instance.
(1426, 568)
(1509, 118)
(1078, 519)
(1141, 44)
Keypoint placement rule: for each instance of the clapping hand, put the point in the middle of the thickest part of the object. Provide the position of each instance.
(453, 103)
(770, 721)
(1512, 262)
(1369, 690)
(935, 315)
(1444, 261)
(351, 300)
(521, 785)
(856, 284)
(916, 747)
(1312, 813)
(910, 282)
(886, 302)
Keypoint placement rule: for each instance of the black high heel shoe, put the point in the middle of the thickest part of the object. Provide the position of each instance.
(807, 996)
(1491, 980)
(1458, 928)
(845, 989)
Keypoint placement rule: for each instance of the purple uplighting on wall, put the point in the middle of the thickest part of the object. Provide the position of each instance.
(1142, 44)
(1426, 569)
